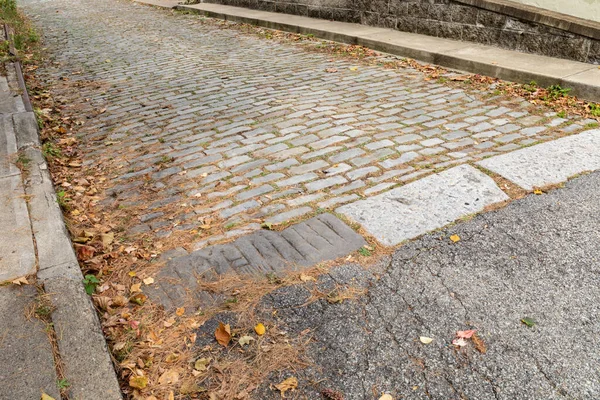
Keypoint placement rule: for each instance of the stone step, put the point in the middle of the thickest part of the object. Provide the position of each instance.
(318, 239)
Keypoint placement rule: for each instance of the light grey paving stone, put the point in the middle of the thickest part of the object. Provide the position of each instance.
(421, 206)
(548, 163)
(318, 239)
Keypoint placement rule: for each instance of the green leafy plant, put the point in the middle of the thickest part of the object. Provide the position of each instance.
(51, 151)
(562, 114)
(556, 92)
(61, 199)
(63, 384)
(363, 251)
(595, 109)
(90, 282)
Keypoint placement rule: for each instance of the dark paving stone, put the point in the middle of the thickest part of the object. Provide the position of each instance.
(319, 239)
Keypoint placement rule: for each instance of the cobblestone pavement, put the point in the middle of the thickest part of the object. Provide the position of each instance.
(195, 123)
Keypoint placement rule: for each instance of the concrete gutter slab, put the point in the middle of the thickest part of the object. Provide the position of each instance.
(549, 163)
(465, 56)
(25, 352)
(17, 256)
(424, 205)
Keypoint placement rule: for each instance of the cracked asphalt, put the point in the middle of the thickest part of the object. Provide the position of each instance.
(536, 258)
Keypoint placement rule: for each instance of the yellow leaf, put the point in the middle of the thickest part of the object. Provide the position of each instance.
(131, 273)
(46, 397)
(538, 191)
(171, 396)
(138, 382)
(288, 384)
(149, 281)
(455, 238)
(136, 287)
(172, 357)
(386, 397)
(169, 377)
(180, 311)
(307, 278)
(201, 364)
(260, 329)
(353, 68)
(223, 334)
(425, 339)
(205, 227)
(245, 340)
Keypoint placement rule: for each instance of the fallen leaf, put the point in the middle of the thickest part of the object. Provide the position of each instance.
(530, 322)
(465, 334)
(288, 384)
(172, 357)
(180, 311)
(171, 395)
(479, 344)
(84, 252)
(538, 192)
(132, 273)
(331, 70)
(307, 278)
(455, 238)
(107, 238)
(425, 339)
(223, 334)
(205, 227)
(138, 298)
(460, 342)
(201, 364)
(267, 225)
(169, 377)
(386, 397)
(136, 287)
(138, 382)
(148, 281)
(20, 281)
(260, 329)
(245, 340)
(353, 68)
(189, 386)
(46, 397)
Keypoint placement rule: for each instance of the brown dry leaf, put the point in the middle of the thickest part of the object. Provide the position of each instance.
(169, 377)
(189, 386)
(171, 396)
(331, 70)
(205, 227)
(172, 357)
(180, 311)
(84, 252)
(119, 301)
(288, 384)
(138, 382)
(455, 238)
(103, 302)
(223, 334)
(479, 344)
(136, 287)
(138, 298)
(20, 281)
(107, 238)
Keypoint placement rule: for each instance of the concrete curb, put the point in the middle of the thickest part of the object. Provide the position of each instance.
(582, 78)
(87, 364)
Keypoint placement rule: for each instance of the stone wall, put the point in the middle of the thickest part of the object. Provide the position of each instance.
(445, 18)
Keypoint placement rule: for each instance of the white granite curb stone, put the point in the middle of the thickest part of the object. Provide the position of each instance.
(548, 163)
(424, 205)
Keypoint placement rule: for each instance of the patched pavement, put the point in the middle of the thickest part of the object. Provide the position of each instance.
(537, 258)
